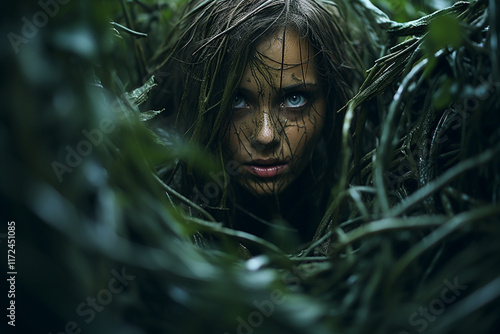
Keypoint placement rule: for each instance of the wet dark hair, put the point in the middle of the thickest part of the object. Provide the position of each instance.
(213, 43)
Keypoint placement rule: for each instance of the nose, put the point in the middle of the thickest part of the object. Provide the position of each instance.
(266, 136)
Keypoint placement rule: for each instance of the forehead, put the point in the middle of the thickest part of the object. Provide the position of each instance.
(283, 58)
(284, 47)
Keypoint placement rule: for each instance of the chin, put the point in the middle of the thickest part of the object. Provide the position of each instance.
(265, 189)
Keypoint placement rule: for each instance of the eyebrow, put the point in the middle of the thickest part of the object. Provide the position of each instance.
(284, 90)
(306, 85)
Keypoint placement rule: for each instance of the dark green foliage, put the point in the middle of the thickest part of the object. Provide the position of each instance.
(415, 211)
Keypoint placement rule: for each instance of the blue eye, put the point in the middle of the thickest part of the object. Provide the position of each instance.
(295, 100)
(239, 102)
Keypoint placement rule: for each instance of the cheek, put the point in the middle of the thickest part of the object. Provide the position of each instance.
(316, 120)
(232, 143)
(304, 134)
(317, 117)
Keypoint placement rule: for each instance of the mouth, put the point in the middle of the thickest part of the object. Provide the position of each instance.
(266, 168)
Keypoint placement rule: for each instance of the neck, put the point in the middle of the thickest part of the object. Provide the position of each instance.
(283, 219)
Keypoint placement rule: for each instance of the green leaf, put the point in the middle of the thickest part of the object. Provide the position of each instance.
(140, 95)
(444, 31)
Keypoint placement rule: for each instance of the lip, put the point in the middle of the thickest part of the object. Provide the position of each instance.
(266, 168)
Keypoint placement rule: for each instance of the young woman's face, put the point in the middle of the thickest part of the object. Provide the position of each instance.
(278, 114)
